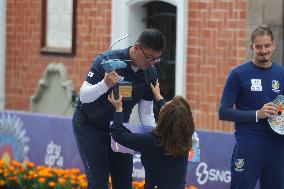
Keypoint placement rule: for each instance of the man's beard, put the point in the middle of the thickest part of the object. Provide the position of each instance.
(263, 59)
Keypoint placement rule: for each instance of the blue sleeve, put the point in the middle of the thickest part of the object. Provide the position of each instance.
(227, 110)
(135, 141)
(161, 103)
(97, 72)
(152, 77)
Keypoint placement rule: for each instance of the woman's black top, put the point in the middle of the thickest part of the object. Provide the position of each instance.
(161, 171)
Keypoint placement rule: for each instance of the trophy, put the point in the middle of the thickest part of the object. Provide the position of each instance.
(123, 88)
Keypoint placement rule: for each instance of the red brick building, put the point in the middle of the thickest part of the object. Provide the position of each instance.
(211, 39)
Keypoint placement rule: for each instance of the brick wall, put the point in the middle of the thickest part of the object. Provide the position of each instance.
(24, 62)
(216, 43)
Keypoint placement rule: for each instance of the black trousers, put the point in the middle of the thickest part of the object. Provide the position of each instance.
(99, 160)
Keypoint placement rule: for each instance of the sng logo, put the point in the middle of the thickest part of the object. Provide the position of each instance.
(204, 174)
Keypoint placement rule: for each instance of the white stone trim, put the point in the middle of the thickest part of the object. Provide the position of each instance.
(2, 52)
(126, 18)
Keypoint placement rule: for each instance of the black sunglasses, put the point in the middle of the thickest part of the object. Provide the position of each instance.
(151, 59)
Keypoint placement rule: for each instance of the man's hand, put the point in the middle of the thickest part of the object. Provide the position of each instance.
(116, 103)
(111, 78)
(268, 110)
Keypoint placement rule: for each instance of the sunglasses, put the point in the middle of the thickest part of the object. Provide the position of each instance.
(151, 59)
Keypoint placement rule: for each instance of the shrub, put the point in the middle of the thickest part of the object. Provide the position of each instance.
(29, 176)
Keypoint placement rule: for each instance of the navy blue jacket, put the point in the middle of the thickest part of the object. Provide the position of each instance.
(100, 112)
(247, 89)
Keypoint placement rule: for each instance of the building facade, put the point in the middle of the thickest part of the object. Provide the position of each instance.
(206, 38)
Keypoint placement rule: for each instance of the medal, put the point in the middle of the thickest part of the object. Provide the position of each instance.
(277, 122)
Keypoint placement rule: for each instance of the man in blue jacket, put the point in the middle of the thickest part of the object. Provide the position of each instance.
(93, 114)
(247, 100)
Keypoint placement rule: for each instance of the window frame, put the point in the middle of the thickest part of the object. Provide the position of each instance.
(57, 50)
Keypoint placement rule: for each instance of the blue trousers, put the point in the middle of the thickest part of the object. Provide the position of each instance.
(250, 164)
(99, 160)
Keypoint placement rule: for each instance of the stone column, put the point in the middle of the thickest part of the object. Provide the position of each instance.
(2, 52)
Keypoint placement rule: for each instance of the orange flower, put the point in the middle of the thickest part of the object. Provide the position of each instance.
(29, 164)
(51, 184)
(6, 173)
(73, 182)
(14, 178)
(2, 182)
(40, 167)
(16, 164)
(12, 169)
(192, 187)
(83, 183)
(2, 163)
(36, 176)
(74, 171)
(41, 180)
(61, 181)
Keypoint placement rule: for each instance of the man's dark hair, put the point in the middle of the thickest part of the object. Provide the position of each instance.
(260, 31)
(152, 39)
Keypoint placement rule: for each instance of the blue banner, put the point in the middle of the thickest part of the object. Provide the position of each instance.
(49, 140)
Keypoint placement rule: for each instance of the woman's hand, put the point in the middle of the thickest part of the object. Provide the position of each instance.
(156, 90)
(116, 103)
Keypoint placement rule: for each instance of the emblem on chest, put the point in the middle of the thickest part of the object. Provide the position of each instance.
(256, 85)
(275, 86)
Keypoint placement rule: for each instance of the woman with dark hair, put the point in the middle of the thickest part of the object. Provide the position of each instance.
(164, 151)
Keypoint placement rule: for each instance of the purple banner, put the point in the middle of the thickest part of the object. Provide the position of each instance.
(45, 140)
(48, 140)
